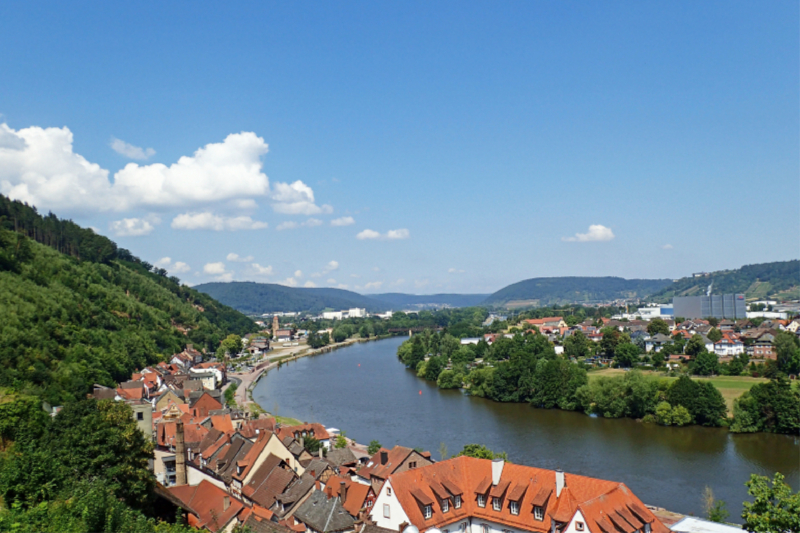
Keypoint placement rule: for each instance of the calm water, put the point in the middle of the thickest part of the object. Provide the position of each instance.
(365, 391)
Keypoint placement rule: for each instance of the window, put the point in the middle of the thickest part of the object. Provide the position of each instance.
(369, 503)
(427, 511)
(388, 491)
(445, 505)
(412, 464)
(463, 527)
(139, 415)
(538, 513)
(514, 506)
(496, 505)
(457, 502)
(647, 528)
(386, 510)
(579, 526)
(481, 500)
(484, 528)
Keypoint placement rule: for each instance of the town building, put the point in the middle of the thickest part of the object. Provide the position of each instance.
(717, 306)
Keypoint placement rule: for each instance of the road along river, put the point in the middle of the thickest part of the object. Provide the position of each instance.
(367, 392)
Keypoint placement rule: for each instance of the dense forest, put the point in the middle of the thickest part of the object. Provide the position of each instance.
(549, 291)
(258, 298)
(764, 280)
(69, 322)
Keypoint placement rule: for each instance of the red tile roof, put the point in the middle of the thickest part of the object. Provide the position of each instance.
(596, 498)
(318, 431)
(356, 493)
(207, 504)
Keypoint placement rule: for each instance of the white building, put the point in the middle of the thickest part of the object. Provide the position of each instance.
(468, 495)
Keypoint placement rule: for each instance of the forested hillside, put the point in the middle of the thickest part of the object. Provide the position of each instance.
(562, 290)
(68, 323)
(766, 280)
(400, 300)
(257, 298)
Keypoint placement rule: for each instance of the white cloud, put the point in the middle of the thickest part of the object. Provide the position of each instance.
(343, 221)
(296, 199)
(238, 259)
(179, 267)
(38, 166)
(214, 269)
(218, 271)
(331, 281)
(208, 220)
(298, 273)
(259, 270)
(309, 285)
(376, 269)
(666, 247)
(286, 225)
(390, 235)
(454, 271)
(355, 276)
(419, 283)
(373, 285)
(312, 222)
(130, 151)
(343, 286)
(131, 227)
(331, 266)
(289, 282)
(596, 233)
(400, 281)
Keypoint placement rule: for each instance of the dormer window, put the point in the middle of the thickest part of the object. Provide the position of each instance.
(445, 505)
(578, 526)
(647, 528)
(427, 511)
(538, 513)
(481, 500)
(496, 504)
(514, 508)
(388, 491)
(457, 503)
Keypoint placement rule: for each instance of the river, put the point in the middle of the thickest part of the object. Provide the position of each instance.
(367, 392)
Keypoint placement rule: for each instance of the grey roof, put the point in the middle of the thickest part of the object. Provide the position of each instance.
(341, 456)
(264, 526)
(660, 337)
(324, 515)
(297, 490)
(318, 466)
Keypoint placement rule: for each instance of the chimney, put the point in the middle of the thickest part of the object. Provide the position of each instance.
(180, 454)
(384, 457)
(226, 502)
(320, 452)
(497, 470)
(302, 442)
(343, 491)
(559, 482)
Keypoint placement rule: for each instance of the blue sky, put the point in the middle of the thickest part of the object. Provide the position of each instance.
(468, 144)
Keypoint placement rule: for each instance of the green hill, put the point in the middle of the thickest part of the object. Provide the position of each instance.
(565, 290)
(779, 280)
(400, 300)
(258, 298)
(67, 323)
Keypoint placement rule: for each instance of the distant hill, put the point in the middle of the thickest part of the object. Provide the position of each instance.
(400, 300)
(779, 280)
(257, 298)
(562, 290)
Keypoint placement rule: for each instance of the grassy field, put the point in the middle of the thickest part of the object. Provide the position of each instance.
(731, 387)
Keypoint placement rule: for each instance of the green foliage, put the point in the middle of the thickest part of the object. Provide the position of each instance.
(695, 345)
(611, 338)
(479, 451)
(705, 364)
(480, 382)
(779, 276)
(547, 291)
(450, 379)
(718, 512)
(772, 407)
(434, 367)
(577, 345)
(311, 444)
(340, 441)
(666, 415)
(231, 345)
(70, 324)
(626, 354)
(787, 348)
(701, 399)
(632, 395)
(774, 509)
(714, 335)
(87, 440)
(87, 506)
(374, 447)
(230, 395)
(656, 326)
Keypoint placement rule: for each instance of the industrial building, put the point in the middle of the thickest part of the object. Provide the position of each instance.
(730, 306)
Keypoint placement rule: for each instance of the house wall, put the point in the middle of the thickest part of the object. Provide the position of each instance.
(145, 425)
(396, 513)
(572, 526)
(195, 476)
